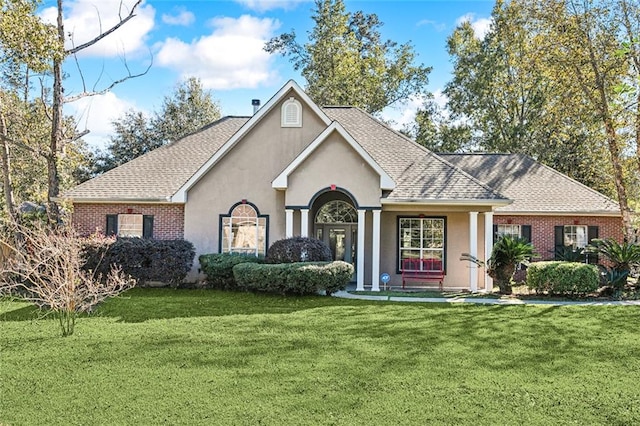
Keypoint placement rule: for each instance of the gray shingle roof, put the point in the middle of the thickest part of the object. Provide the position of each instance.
(533, 186)
(158, 174)
(419, 174)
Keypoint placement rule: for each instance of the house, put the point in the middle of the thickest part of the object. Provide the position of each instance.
(337, 174)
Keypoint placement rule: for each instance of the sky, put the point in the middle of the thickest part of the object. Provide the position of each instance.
(221, 42)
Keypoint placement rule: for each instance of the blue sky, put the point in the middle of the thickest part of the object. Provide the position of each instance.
(220, 41)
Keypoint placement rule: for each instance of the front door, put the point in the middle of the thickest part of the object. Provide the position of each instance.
(341, 239)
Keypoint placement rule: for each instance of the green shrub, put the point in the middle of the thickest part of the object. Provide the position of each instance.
(299, 249)
(508, 252)
(167, 261)
(562, 278)
(293, 278)
(218, 268)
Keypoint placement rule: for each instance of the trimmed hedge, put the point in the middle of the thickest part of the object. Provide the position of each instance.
(167, 261)
(218, 268)
(563, 278)
(299, 249)
(293, 278)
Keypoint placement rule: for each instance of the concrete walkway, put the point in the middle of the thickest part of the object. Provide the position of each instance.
(477, 300)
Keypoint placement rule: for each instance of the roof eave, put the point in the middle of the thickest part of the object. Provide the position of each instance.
(117, 200)
(444, 202)
(558, 213)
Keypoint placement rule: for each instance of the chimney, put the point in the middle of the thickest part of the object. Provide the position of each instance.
(256, 105)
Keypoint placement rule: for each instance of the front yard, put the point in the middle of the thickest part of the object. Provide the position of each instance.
(206, 357)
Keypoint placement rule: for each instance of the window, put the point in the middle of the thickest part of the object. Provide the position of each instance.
(244, 231)
(521, 231)
(337, 211)
(291, 113)
(575, 236)
(511, 230)
(130, 225)
(421, 238)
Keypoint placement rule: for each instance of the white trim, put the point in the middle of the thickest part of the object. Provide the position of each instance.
(488, 247)
(281, 181)
(360, 271)
(288, 218)
(473, 251)
(115, 200)
(304, 222)
(375, 252)
(551, 213)
(444, 202)
(181, 194)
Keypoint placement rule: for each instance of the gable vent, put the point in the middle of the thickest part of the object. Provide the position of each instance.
(291, 113)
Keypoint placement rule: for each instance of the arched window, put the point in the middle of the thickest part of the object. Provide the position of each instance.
(337, 211)
(244, 231)
(291, 113)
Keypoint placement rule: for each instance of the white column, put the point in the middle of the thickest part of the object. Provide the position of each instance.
(375, 252)
(488, 247)
(304, 222)
(360, 271)
(288, 229)
(473, 251)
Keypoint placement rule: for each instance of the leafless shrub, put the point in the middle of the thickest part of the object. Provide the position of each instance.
(45, 267)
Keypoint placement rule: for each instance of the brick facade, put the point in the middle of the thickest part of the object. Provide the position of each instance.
(542, 228)
(168, 218)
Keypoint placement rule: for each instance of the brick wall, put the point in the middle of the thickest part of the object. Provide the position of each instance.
(542, 228)
(168, 219)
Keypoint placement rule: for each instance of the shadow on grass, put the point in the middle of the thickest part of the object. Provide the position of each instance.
(142, 304)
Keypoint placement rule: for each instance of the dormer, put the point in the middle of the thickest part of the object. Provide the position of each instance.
(291, 113)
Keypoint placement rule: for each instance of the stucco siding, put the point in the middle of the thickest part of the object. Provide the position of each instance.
(246, 173)
(334, 162)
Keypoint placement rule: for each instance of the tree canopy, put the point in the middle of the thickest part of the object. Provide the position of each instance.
(188, 108)
(555, 80)
(346, 62)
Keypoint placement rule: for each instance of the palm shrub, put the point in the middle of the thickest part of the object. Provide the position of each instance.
(622, 257)
(508, 252)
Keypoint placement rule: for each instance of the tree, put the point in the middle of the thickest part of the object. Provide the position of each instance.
(588, 34)
(516, 92)
(30, 45)
(27, 44)
(46, 268)
(186, 110)
(345, 62)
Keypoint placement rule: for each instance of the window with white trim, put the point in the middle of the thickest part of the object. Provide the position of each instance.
(129, 225)
(421, 238)
(576, 236)
(291, 113)
(243, 231)
(509, 229)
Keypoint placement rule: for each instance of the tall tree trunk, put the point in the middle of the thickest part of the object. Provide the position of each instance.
(6, 166)
(56, 129)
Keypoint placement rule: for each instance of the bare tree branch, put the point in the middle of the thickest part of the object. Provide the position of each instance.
(106, 33)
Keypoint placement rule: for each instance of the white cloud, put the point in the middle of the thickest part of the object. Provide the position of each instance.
(96, 113)
(438, 26)
(265, 5)
(86, 19)
(481, 26)
(231, 57)
(182, 17)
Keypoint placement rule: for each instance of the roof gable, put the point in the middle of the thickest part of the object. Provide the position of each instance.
(291, 86)
(281, 181)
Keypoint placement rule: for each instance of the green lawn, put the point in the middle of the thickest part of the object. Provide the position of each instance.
(203, 357)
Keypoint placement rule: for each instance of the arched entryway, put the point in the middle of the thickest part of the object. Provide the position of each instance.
(335, 221)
